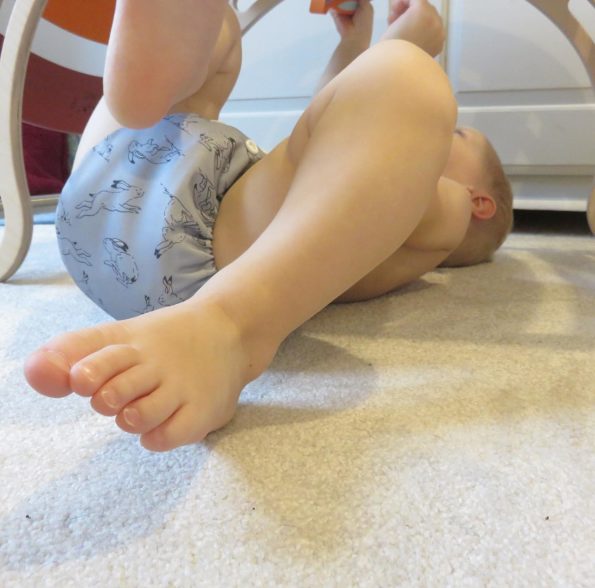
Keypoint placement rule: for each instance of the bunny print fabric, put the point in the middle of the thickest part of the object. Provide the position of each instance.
(135, 220)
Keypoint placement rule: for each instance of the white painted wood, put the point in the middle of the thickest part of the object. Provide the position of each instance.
(537, 135)
(577, 26)
(506, 45)
(61, 46)
(17, 234)
(249, 16)
(565, 190)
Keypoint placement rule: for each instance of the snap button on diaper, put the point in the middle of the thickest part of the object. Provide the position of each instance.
(252, 147)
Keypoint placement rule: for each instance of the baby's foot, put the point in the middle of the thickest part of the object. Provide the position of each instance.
(172, 376)
(158, 54)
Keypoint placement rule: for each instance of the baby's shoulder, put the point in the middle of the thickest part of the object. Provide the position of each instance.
(445, 221)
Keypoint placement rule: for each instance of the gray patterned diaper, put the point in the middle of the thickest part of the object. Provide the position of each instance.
(135, 219)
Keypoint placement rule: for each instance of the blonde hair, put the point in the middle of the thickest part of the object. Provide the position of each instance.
(484, 237)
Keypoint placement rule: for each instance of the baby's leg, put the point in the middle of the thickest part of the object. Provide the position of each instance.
(158, 54)
(358, 172)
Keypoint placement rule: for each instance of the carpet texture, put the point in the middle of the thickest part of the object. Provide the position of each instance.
(440, 436)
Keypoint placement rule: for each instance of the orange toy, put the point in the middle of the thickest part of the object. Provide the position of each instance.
(340, 6)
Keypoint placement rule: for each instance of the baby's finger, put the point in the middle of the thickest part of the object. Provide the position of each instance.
(397, 9)
(342, 21)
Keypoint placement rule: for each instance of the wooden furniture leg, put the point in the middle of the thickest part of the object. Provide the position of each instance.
(15, 192)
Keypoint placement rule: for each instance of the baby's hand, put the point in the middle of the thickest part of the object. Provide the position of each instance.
(356, 27)
(418, 22)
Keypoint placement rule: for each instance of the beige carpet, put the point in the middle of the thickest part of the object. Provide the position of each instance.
(440, 436)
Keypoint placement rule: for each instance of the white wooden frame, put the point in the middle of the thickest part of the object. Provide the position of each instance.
(16, 199)
(24, 18)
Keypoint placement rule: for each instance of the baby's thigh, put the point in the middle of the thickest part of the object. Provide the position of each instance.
(251, 203)
(264, 187)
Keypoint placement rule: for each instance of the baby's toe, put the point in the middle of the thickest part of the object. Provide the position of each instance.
(186, 426)
(148, 412)
(133, 383)
(47, 371)
(93, 371)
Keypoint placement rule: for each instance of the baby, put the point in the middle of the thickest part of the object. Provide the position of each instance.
(211, 252)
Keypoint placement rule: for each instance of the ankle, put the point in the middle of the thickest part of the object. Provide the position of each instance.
(256, 349)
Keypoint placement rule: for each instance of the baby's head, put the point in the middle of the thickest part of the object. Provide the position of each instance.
(474, 163)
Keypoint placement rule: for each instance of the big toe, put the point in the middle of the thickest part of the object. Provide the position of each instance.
(48, 369)
(48, 372)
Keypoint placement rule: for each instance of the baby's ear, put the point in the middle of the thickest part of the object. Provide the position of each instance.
(483, 206)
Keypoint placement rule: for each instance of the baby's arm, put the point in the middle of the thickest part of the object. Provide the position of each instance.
(356, 33)
(416, 21)
(402, 267)
(438, 234)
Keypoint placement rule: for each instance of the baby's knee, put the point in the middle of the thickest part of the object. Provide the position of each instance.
(403, 73)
